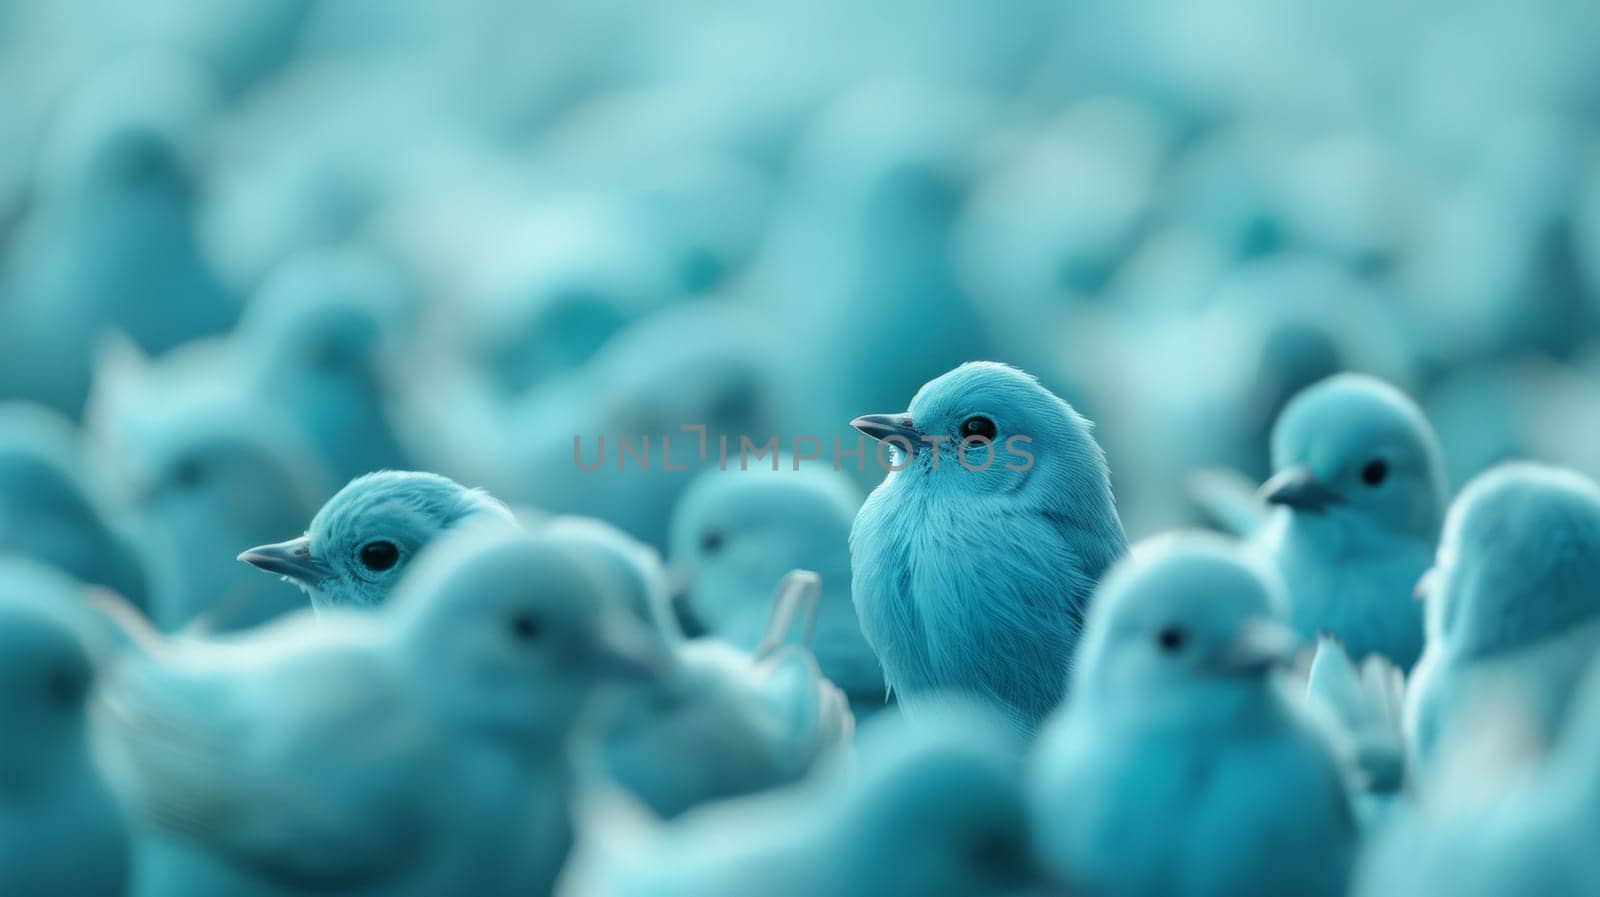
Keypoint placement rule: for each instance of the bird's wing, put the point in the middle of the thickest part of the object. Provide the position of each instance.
(1363, 706)
(797, 597)
(289, 769)
(1227, 499)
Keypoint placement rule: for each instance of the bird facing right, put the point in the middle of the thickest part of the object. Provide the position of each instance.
(972, 564)
(1179, 767)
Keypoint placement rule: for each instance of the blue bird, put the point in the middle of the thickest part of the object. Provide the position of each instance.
(735, 533)
(1513, 608)
(640, 575)
(52, 511)
(321, 340)
(116, 206)
(419, 750)
(199, 470)
(723, 722)
(1359, 494)
(977, 580)
(363, 539)
(1180, 766)
(61, 834)
(933, 809)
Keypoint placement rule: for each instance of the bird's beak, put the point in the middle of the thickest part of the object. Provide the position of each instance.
(1260, 645)
(626, 651)
(291, 559)
(1426, 584)
(888, 426)
(1296, 488)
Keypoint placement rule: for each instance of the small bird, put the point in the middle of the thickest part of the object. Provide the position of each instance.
(1180, 766)
(722, 722)
(365, 536)
(933, 809)
(1359, 495)
(319, 340)
(735, 533)
(418, 750)
(51, 510)
(1513, 607)
(977, 580)
(61, 834)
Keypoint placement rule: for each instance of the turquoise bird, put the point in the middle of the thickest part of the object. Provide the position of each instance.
(366, 535)
(735, 533)
(722, 722)
(1513, 609)
(51, 509)
(61, 834)
(933, 809)
(419, 750)
(1180, 766)
(1358, 498)
(977, 580)
(321, 340)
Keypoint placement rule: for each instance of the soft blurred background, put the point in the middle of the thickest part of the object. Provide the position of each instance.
(252, 248)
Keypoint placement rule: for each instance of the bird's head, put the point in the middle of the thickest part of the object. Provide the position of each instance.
(1519, 559)
(327, 320)
(1353, 444)
(1180, 624)
(365, 537)
(513, 633)
(988, 429)
(944, 798)
(46, 669)
(736, 532)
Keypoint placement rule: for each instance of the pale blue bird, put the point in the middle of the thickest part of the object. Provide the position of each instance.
(362, 540)
(201, 470)
(1180, 765)
(115, 206)
(1513, 608)
(50, 508)
(722, 722)
(735, 533)
(420, 750)
(321, 340)
(933, 809)
(1359, 495)
(61, 834)
(977, 580)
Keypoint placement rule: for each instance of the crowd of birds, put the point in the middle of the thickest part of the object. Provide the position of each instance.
(812, 449)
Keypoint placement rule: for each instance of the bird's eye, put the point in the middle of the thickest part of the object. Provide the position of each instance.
(526, 627)
(711, 541)
(993, 850)
(66, 685)
(188, 474)
(978, 427)
(1171, 639)
(1375, 472)
(379, 555)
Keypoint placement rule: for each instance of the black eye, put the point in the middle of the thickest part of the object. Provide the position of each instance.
(711, 542)
(67, 685)
(526, 627)
(993, 850)
(1375, 472)
(189, 474)
(978, 427)
(1171, 639)
(379, 555)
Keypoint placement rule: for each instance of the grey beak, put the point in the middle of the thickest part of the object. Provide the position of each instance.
(1260, 645)
(887, 426)
(291, 559)
(629, 652)
(1296, 488)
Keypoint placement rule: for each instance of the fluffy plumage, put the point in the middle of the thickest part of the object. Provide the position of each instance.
(365, 536)
(977, 580)
(1179, 766)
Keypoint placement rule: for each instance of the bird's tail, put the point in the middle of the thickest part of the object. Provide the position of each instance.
(1363, 705)
(1227, 499)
